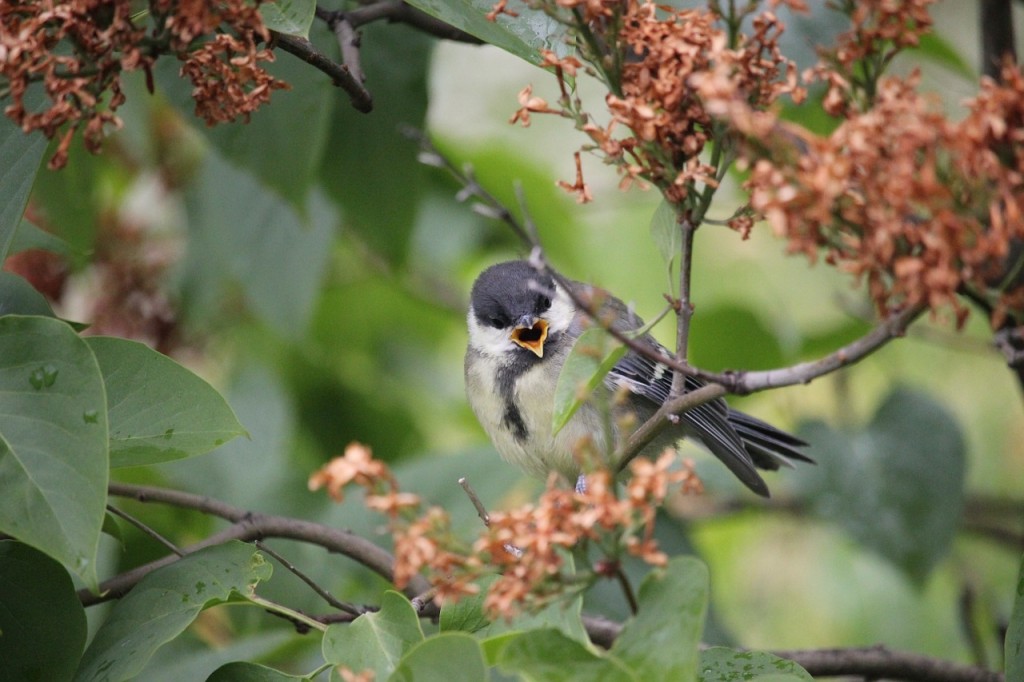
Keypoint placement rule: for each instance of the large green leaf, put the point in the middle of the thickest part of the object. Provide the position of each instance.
(1014, 649)
(243, 237)
(547, 655)
(662, 641)
(592, 356)
(285, 164)
(721, 664)
(443, 658)
(20, 155)
(53, 441)
(42, 622)
(158, 410)
(370, 169)
(524, 35)
(375, 641)
(897, 485)
(164, 603)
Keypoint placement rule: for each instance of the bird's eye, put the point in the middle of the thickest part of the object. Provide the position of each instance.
(545, 302)
(497, 322)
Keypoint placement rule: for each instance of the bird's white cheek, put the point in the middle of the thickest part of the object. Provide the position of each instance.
(488, 340)
(561, 313)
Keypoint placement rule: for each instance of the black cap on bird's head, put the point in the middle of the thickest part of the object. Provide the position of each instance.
(514, 296)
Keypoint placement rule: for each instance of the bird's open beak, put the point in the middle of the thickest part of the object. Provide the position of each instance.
(531, 336)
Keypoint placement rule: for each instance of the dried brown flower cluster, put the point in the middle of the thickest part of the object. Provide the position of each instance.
(527, 547)
(918, 206)
(75, 51)
(879, 30)
(659, 56)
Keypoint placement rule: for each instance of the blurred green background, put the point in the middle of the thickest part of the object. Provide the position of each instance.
(313, 270)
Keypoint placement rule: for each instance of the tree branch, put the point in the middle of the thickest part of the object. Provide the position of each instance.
(340, 74)
(400, 12)
(744, 382)
(246, 526)
(875, 662)
(997, 41)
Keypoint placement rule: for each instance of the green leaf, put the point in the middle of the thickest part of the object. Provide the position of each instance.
(443, 658)
(285, 164)
(548, 655)
(243, 671)
(592, 356)
(164, 603)
(896, 486)
(524, 35)
(941, 51)
(20, 155)
(1014, 649)
(53, 441)
(42, 622)
(370, 169)
(71, 199)
(293, 17)
(665, 231)
(662, 641)
(18, 297)
(721, 664)
(158, 410)
(732, 335)
(242, 236)
(375, 641)
(28, 236)
(467, 614)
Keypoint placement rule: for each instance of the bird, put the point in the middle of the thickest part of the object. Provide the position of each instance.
(522, 323)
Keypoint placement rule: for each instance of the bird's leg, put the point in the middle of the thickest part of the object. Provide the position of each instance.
(581, 484)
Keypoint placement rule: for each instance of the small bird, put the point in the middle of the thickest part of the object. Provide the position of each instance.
(522, 325)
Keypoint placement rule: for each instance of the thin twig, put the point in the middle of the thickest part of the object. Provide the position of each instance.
(481, 510)
(684, 311)
(662, 419)
(145, 529)
(324, 594)
(421, 601)
(627, 590)
(340, 74)
(246, 526)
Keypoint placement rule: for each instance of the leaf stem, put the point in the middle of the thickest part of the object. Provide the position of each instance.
(290, 614)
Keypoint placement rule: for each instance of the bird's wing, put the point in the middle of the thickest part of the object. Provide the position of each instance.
(709, 422)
